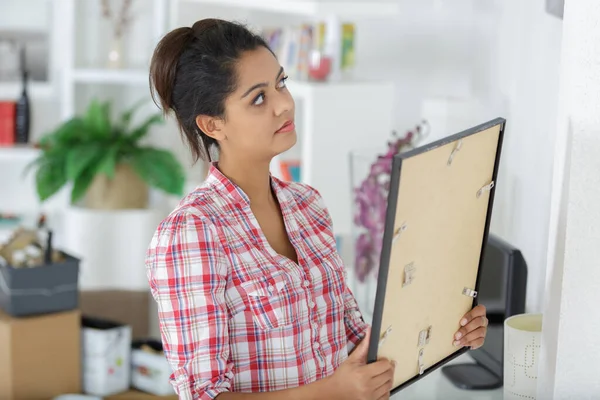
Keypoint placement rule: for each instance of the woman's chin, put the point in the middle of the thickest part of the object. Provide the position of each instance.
(285, 140)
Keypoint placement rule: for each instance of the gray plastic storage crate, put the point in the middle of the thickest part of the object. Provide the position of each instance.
(40, 290)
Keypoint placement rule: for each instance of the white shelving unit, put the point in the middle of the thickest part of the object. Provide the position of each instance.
(62, 88)
(72, 75)
(35, 90)
(133, 227)
(18, 153)
(19, 183)
(128, 77)
(368, 9)
(334, 122)
(30, 16)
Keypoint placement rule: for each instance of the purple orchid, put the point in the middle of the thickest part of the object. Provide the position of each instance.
(370, 206)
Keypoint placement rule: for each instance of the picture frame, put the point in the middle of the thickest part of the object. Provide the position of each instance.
(437, 222)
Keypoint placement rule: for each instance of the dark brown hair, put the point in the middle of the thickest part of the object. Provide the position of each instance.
(193, 71)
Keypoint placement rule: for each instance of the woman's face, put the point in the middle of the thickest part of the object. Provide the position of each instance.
(259, 121)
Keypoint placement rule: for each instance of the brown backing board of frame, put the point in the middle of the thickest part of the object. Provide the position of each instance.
(439, 209)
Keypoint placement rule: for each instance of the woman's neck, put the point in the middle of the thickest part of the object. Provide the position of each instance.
(251, 176)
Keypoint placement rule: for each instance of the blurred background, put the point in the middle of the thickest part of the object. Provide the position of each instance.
(363, 73)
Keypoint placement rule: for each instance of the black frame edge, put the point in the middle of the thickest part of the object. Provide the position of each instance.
(488, 218)
(454, 137)
(384, 259)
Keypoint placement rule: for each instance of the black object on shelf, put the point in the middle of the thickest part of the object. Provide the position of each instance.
(49, 248)
(154, 344)
(502, 291)
(22, 109)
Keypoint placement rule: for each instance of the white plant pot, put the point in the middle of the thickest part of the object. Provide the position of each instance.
(522, 341)
(111, 244)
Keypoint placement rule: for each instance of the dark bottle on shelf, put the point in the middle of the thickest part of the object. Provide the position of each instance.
(22, 109)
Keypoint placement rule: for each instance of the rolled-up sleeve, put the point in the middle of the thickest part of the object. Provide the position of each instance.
(187, 272)
(355, 325)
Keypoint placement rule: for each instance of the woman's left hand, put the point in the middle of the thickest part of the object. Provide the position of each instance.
(474, 328)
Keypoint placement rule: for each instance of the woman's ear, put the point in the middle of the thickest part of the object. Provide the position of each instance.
(211, 126)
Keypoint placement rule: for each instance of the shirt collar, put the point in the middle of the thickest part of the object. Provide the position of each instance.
(231, 191)
(235, 195)
(225, 187)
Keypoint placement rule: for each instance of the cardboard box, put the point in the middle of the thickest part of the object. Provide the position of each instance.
(127, 307)
(150, 370)
(106, 357)
(40, 356)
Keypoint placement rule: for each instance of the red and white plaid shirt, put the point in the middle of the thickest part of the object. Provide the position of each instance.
(234, 314)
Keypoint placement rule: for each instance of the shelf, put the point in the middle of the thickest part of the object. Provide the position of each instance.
(363, 9)
(299, 88)
(21, 153)
(304, 90)
(12, 90)
(135, 77)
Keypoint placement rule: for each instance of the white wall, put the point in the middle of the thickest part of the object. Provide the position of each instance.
(528, 63)
(570, 324)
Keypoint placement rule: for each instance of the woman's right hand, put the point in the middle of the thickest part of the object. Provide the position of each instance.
(356, 380)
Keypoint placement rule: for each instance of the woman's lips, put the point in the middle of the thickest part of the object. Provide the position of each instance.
(287, 127)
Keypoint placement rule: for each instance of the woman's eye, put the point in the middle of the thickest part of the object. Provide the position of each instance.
(283, 82)
(259, 99)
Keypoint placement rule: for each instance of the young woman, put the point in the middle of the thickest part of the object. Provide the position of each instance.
(251, 292)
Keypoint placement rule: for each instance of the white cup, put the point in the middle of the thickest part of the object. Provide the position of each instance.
(522, 341)
(76, 397)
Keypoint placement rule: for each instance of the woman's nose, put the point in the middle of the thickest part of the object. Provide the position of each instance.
(284, 104)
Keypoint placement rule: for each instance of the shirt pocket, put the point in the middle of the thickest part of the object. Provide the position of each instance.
(336, 272)
(269, 301)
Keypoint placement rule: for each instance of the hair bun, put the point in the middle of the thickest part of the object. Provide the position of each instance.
(205, 25)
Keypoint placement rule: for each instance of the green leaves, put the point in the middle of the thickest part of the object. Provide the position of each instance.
(127, 115)
(83, 163)
(108, 164)
(97, 120)
(65, 135)
(50, 177)
(159, 169)
(93, 143)
(142, 130)
(81, 157)
(82, 183)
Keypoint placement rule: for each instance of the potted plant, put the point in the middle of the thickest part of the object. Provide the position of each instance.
(105, 161)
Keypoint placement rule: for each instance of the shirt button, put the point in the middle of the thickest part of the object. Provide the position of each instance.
(316, 345)
(270, 288)
(306, 283)
(312, 304)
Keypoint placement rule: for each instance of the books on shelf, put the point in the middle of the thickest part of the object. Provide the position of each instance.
(291, 45)
(308, 52)
(7, 123)
(347, 61)
(291, 170)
